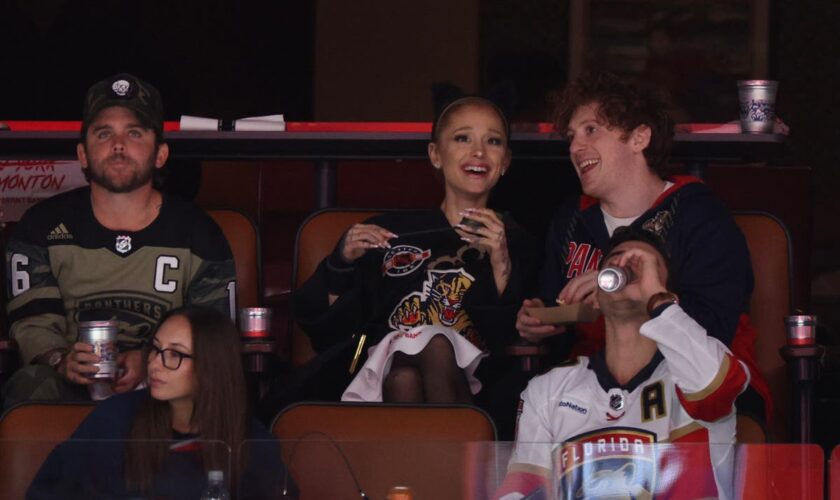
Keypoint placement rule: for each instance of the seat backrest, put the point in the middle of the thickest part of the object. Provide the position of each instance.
(28, 433)
(243, 238)
(316, 238)
(770, 251)
(433, 449)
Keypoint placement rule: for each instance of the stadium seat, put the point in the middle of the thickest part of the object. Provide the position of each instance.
(243, 238)
(335, 449)
(770, 251)
(316, 238)
(28, 433)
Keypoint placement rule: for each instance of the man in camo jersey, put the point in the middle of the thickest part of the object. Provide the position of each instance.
(119, 249)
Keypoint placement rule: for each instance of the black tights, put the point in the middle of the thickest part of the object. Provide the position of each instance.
(430, 376)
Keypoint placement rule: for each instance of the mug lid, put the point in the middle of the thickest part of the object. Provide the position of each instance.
(254, 311)
(801, 319)
(98, 324)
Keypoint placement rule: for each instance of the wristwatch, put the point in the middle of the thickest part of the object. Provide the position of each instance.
(655, 308)
(55, 358)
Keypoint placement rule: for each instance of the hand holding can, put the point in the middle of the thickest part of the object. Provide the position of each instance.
(102, 336)
(614, 278)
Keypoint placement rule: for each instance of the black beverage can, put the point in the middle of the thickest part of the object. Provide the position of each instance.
(102, 335)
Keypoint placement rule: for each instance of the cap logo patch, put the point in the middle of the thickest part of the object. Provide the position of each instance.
(121, 87)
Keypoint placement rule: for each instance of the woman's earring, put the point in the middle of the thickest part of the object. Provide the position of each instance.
(437, 166)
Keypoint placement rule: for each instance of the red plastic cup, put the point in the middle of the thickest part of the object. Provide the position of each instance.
(255, 322)
(801, 329)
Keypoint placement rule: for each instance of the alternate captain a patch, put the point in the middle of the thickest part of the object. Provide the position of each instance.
(618, 462)
(403, 259)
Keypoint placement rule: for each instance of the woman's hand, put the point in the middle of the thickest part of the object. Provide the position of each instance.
(581, 288)
(531, 328)
(362, 237)
(490, 237)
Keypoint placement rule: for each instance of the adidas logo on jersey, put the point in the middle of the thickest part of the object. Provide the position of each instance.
(60, 233)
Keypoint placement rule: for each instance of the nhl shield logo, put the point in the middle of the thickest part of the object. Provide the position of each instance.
(123, 244)
(617, 402)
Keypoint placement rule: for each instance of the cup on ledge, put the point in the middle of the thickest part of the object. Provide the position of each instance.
(801, 330)
(758, 105)
(255, 322)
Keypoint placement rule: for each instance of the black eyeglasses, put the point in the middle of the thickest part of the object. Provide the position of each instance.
(170, 358)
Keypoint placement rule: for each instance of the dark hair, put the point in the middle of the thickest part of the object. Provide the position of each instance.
(442, 118)
(623, 105)
(220, 410)
(624, 234)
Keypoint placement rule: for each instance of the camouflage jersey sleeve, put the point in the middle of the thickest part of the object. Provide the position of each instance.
(35, 308)
(213, 282)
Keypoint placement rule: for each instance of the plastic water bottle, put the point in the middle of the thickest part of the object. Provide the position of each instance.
(215, 489)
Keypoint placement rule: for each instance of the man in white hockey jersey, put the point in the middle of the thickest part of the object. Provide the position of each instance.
(660, 379)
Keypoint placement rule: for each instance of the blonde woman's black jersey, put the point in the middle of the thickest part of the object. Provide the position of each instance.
(63, 267)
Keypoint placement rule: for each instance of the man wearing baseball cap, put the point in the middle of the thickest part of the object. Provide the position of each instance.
(117, 250)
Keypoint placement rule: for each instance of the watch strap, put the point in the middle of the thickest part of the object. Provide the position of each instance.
(55, 357)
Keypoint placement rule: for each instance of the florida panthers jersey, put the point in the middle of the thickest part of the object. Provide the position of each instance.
(596, 435)
(64, 267)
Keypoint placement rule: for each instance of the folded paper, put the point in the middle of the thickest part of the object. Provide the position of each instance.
(269, 123)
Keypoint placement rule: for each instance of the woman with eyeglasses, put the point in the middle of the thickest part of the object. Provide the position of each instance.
(192, 418)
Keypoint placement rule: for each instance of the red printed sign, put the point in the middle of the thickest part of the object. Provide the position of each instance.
(24, 183)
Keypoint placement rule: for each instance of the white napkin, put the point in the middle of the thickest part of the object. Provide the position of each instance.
(270, 123)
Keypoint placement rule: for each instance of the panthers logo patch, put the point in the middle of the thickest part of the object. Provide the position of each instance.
(659, 223)
(403, 259)
(611, 463)
(440, 303)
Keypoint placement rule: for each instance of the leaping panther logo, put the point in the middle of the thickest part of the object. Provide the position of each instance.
(441, 302)
(447, 291)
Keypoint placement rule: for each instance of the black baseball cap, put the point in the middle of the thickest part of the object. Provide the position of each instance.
(129, 92)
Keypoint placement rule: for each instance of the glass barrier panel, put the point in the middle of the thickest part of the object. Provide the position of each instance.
(86, 469)
(783, 471)
(834, 474)
(320, 467)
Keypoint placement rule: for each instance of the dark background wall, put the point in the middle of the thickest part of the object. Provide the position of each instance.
(214, 57)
